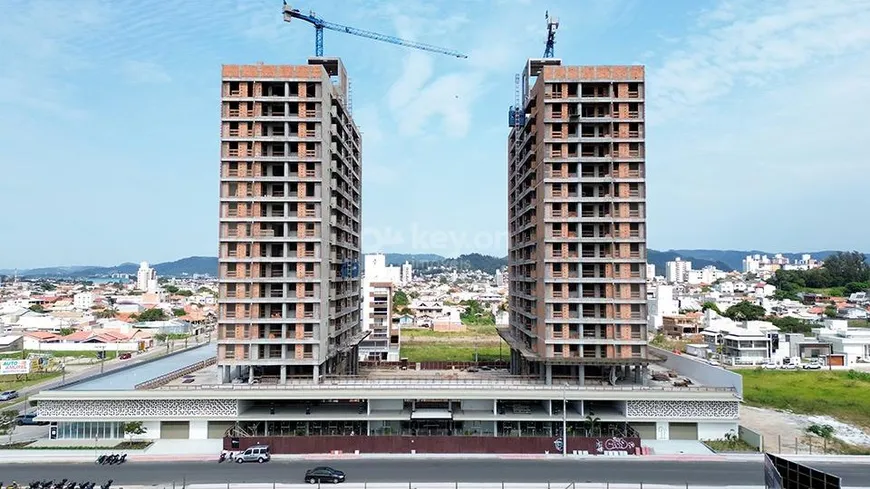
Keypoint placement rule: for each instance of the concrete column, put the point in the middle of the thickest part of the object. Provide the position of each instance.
(316, 373)
(644, 375)
(581, 375)
(250, 374)
(548, 375)
(283, 374)
(663, 431)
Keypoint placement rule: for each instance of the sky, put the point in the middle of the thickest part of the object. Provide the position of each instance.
(109, 118)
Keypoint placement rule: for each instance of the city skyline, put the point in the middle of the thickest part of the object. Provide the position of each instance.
(732, 146)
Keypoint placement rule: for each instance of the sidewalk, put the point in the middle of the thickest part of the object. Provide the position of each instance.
(89, 456)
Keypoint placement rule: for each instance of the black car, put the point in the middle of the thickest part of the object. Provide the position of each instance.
(324, 474)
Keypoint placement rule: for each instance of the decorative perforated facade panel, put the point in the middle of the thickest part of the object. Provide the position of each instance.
(682, 409)
(132, 408)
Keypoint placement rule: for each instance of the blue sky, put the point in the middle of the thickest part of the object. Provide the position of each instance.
(109, 118)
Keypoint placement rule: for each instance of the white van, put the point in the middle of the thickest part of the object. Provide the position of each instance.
(256, 453)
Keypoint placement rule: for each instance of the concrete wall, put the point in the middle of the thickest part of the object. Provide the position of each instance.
(152, 431)
(715, 431)
(751, 437)
(477, 405)
(48, 347)
(198, 430)
(701, 371)
(386, 404)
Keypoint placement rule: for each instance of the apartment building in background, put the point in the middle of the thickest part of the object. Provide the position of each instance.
(290, 223)
(378, 286)
(577, 224)
(678, 271)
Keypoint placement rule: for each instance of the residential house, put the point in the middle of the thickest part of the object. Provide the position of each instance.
(852, 343)
(680, 325)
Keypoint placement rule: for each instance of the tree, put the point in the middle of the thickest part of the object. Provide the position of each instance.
(845, 267)
(853, 287)
(106, 313)
(154, 314)
(400, 301)
(8, 423)
(184, 293)
(161, 337)
(592, 424)
(791, 325)
(66, 331)
(47, 286)
(745, 311)
(712, 306)
(134, 428)
(37, 308)
(178, 312)
(831, 311)
(170, 288)
(476, 314)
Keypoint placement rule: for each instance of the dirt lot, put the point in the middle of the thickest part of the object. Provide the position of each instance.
(784, 432)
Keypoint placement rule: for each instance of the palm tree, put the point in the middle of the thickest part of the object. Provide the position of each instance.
(592, 424)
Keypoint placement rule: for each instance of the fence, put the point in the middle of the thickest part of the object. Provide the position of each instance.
(801, 445)
(436, 444)
(443, 485)
(405, 383)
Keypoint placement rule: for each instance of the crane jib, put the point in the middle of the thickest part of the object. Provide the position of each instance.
(320, 24)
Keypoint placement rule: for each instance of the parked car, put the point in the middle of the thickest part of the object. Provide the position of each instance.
(789, 366)
(29, 420)
(8, 395)
(770, 366)
(324, 474)
(812, 366)
(256, 453)
(124, 356)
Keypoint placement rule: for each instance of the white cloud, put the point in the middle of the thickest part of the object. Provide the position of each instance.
(754, 43)
(144, 72)
(751, 126)
(44, 42)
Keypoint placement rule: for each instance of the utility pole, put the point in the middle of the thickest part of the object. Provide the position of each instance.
(565, 420)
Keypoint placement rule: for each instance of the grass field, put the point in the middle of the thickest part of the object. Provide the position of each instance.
(451, 352)
(845, 395)
(12, 382)
(487, 330)
(61, 354)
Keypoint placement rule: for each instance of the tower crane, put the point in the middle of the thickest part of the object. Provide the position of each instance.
(320, 24)
(552, 25)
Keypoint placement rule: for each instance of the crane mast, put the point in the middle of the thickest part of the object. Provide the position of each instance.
(320, 24)
(552, 25)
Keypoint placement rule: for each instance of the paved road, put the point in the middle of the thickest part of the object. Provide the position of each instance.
(27, 433)
(618, 471)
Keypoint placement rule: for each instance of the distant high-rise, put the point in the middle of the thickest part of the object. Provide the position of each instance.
(577, 222)
(146, 278)
(677, 271)
(290, 223)
(407, 274)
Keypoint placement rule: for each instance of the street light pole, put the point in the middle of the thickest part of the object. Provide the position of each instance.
(564, 420)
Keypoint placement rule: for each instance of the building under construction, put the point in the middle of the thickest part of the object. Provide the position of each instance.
(577, 223)
(290, 222)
